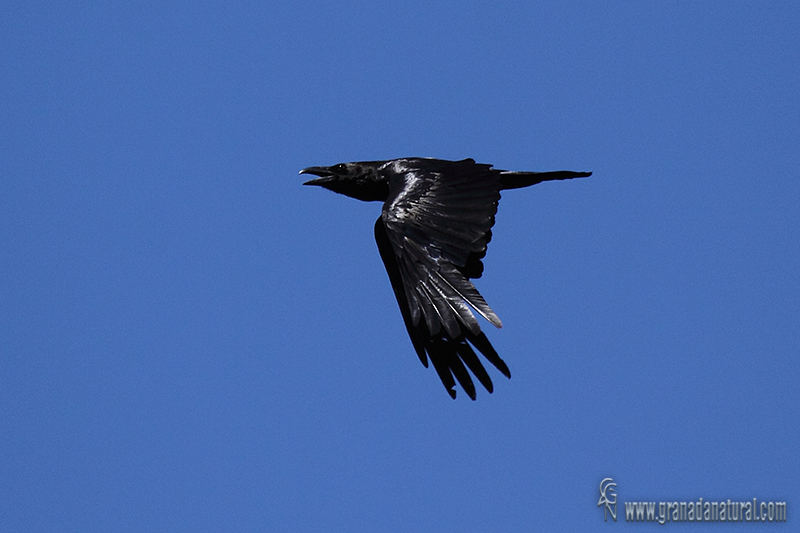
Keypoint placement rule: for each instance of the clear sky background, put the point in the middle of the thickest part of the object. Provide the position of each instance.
(192, 341)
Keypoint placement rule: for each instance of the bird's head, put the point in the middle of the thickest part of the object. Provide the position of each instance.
(362, 180)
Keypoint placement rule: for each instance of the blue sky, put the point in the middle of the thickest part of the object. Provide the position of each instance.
(192, 341)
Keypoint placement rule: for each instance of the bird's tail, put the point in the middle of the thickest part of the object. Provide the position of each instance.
(517, 180)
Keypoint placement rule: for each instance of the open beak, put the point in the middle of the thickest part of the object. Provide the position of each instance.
(324, 173)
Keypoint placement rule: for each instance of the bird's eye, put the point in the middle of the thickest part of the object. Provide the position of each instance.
(340, 167)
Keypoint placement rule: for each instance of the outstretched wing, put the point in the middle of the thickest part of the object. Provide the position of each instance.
(432, 235)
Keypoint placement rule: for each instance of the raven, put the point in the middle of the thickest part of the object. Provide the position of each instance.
(432, 234)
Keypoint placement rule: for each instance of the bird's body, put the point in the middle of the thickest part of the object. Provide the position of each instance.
(432, 234)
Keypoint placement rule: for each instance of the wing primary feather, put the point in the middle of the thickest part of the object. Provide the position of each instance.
(443, 310)
(447, 352)
(470, 294)
(488, 351)
(443, 370)
(411, 297)
(456, 302)
(428, 311)
(467, 355)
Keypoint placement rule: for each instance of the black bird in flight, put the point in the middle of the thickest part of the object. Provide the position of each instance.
(432, 234)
